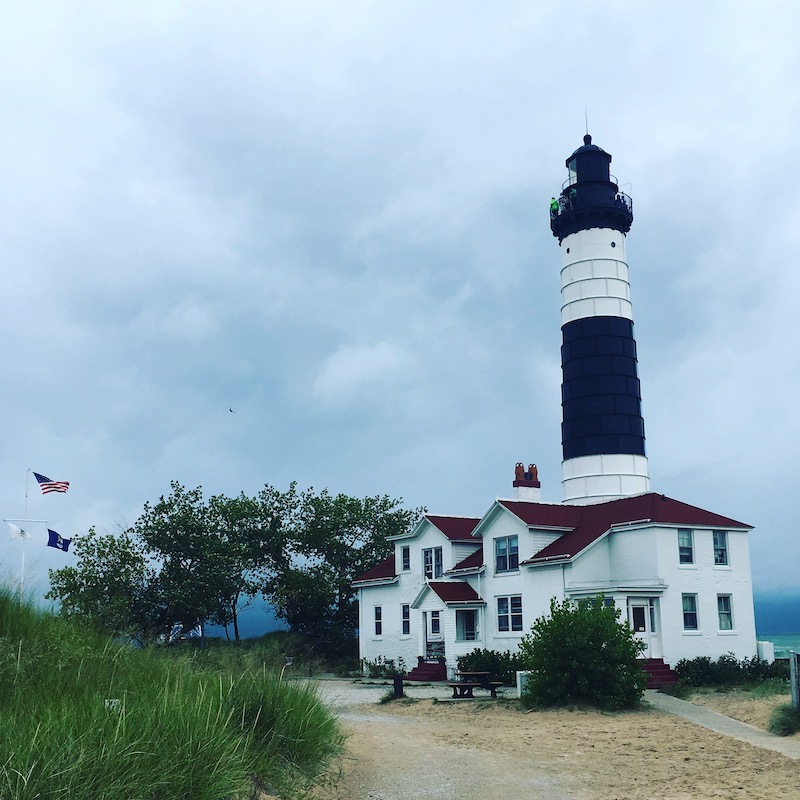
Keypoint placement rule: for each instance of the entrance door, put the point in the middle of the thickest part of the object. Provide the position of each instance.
(434, 638)
(643, 619)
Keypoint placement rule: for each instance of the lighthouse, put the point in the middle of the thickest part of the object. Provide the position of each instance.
(602, 430)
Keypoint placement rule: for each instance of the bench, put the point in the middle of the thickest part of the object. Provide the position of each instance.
(464, 689)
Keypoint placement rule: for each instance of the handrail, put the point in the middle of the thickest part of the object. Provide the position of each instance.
(621, 200)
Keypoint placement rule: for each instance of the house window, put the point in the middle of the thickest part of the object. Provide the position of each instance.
(435, 622)
(466, 626)
(720, 548)
(689, 612)
(432, 562)
(405, 556)
(406, 615)
(725, 612)
(509, 613)
(506, 554)
(378, 621)
(685, 546)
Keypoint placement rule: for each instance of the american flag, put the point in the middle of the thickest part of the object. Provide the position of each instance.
(50, 486)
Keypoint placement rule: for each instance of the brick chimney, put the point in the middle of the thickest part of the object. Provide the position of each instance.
(526, 483)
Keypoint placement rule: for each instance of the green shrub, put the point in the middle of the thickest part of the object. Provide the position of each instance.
(582, 654)
(726, 671)
(785, 720)
(383, 667)
(501, 664)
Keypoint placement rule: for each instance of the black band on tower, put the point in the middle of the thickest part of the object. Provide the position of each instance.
(600, 392)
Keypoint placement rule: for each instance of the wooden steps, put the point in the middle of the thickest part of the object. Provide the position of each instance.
(428, 671)
(659, 674)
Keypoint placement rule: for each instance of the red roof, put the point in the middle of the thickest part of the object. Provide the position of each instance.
(381, 571)
(454, 528)
(455, 592)
(588, 523)
(472, 561)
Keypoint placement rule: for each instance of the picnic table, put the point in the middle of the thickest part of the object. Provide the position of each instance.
(469, 681)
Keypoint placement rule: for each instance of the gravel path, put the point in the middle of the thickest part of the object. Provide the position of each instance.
(481, 750)
(401, 758)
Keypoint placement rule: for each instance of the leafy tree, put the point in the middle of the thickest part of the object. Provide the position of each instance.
(253, 535)
(113, 586)
(332, 541)
(582, 653)
(206, 553)
(188, 561)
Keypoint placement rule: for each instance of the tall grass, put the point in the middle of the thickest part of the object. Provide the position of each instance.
(83, 717)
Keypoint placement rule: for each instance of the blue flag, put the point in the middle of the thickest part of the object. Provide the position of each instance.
(57, 541)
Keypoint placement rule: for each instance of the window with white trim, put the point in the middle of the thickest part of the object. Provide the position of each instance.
(506, 554)
(509, 613)
(689, 602)
(405, 613)
(720, 548)
(466, 625)
(405, 557)
(436, 625)
(725, 612)
(432, 562)
(378, 621)
(685, 546)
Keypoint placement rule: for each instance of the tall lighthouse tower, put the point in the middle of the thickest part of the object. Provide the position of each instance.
(602, 433)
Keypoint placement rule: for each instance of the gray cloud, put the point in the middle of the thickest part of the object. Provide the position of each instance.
(334, 220)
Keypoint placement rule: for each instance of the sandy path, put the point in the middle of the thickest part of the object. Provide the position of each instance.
(471, 750)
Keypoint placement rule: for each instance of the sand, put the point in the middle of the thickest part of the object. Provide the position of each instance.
(478, 750)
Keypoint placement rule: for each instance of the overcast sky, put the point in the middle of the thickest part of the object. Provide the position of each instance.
(332, 218)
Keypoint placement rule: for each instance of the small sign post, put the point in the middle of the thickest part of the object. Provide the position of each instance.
(793, 679)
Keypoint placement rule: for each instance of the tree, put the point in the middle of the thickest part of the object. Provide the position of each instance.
(331, 542)
(582, 653)
(189, 561)
(198, 552)
(112, 587)
(253, 534)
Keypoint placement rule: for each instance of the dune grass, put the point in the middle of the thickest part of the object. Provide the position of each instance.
(84, 717)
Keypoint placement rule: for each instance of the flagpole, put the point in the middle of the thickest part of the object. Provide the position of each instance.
(24, 539)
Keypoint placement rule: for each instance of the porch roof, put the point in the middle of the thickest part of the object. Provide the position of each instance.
(455, 592)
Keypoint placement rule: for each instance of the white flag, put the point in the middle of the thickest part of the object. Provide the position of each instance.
(18, 533)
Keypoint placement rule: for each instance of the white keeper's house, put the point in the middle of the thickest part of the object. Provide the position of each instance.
(679, 574)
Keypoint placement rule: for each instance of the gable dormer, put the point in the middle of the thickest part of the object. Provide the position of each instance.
(434, 546)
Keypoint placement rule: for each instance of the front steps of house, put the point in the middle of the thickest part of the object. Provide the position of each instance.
(659, 674)
(427, 671)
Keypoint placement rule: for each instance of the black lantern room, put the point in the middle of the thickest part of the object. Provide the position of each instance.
(590, 197)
